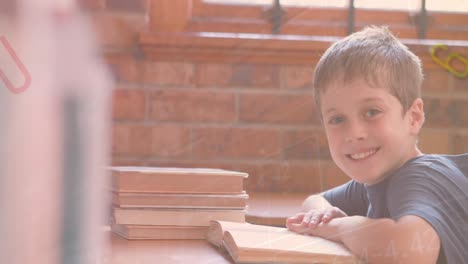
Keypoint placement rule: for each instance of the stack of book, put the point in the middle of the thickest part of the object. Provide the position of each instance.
(174, 203)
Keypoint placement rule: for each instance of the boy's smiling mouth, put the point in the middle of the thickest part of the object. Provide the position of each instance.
(363, 155)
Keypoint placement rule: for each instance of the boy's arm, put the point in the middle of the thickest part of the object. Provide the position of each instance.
(346, 199)
(350, 197)
(408, 240)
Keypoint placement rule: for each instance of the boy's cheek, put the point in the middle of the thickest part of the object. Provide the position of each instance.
(334, 134)
(333, 146)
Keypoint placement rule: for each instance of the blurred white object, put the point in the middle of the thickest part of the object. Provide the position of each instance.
(55, 137)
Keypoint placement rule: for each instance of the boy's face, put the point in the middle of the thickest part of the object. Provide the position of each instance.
(368, 135)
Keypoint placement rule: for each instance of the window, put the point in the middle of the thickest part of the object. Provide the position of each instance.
(317, 18)
(408, 5)
(460, 6)
(403, 5)
(300, 3)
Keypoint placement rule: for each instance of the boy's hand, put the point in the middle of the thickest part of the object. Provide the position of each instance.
(313, 218)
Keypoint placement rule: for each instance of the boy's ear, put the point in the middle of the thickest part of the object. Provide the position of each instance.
(416, 115)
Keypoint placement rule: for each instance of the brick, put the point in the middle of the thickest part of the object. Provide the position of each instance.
(296, 77)
(460, 143)
(458, 65)
(278, 108)
(237, 75)
(427, 61)
(192, 105)
(169, 141)
(438, 81)
(434, 141)
(125, 5)
(236, 143)
(305, 144)
(299, 178)
(129, 104)
(118, 30)
(255, 75)
(285, 177)
(169, 73)
(180, 163)
(443, 112)
(435, 33)
(460, 85)
(213, 75)
(89, 5)
(131, 140)
(261, 177)
(332, 176)
(125, 68)
(127, 161)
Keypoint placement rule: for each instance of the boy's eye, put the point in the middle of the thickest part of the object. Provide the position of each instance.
(336, 120)
(372, 112)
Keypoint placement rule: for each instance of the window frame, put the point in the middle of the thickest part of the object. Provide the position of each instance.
(318, 21)
(171, 36)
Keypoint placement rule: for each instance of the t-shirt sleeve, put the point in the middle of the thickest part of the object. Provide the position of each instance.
(421, 193)
(409, 195)
(350, 197)
(437, 199)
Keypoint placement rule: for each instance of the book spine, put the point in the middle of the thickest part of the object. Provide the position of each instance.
(176, 183)
(175, 217)
(179, 201)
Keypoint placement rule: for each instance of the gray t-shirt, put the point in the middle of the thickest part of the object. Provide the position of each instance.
(433, 187)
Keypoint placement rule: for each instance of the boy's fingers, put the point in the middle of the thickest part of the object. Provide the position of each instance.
(331, 213)
(326, 218)
(300, 216)
(306, 222)
(294, 225)
(315, 220)
(290, 220)
(307, 218)
(298, 228)
(296, 218)
(293, 219)
(312, 219)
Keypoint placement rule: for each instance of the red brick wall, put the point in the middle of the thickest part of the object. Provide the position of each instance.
(254, 118)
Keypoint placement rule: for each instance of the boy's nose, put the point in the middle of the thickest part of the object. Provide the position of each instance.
(356, 131)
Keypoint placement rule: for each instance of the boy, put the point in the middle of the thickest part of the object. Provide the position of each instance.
(401, 206)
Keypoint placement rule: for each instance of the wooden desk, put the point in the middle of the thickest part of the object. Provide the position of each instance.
(124, 251)
(273, 208)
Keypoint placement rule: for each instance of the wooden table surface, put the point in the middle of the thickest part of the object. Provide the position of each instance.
(273, 208)
(124, 251)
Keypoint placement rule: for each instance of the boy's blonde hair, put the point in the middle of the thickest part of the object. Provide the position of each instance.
(376, 55)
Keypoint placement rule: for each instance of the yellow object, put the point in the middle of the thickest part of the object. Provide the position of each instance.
(446, 63)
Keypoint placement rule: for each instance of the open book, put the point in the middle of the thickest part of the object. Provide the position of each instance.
(248, 243)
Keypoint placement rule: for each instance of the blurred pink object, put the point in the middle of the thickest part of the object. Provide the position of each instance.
(55, 138)
(3, 76)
